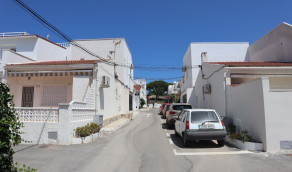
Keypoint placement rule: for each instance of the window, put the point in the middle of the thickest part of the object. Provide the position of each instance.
(203, 116)
(181, 107)
(53, 95)
(27, 96)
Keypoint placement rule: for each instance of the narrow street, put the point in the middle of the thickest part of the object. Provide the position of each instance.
(146, 145)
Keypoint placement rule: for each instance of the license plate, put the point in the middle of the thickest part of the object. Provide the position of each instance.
(207, 126)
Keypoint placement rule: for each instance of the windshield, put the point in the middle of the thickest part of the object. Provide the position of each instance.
(203, 116)
(181, 107)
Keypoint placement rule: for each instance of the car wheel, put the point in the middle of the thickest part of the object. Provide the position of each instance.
(167, 124)
(186, 142)
(221, 143)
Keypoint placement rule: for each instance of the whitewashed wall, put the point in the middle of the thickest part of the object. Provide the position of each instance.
(245, 104)
(278, 108)
(216, 52)
(216, 99)
(274, 46)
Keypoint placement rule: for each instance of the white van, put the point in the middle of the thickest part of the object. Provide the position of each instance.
(200, 124)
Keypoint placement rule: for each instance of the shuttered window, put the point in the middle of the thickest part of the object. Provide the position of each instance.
(27, 96)
(53, 95)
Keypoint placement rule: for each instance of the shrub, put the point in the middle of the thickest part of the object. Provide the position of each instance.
(24, 168)
(244, 137)
(87, 130)
(142, 103)
(9, 128)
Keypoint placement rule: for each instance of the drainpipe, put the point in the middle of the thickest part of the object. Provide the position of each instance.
(95, 75)
(226, 82)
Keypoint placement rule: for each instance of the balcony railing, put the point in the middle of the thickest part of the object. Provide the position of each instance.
(37, 114)
(11, 34)
(65, 44)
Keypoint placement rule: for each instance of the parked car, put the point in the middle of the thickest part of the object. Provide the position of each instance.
(200, 124)
(165, 110)
(173, 112)
(162, 107)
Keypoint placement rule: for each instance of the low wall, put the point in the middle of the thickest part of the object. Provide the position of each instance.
(245, 105)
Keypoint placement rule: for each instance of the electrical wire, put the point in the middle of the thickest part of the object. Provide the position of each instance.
(65, 37)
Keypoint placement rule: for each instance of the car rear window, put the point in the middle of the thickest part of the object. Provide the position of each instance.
(181, 107)
(203, 116)
(167, 107)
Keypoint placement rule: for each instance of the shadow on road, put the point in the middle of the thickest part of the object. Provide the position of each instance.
(178, 141)
(164, 126)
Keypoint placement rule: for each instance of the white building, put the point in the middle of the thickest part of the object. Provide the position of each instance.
(59, 87)
(140, 91)
(253, 90)
(224, 51)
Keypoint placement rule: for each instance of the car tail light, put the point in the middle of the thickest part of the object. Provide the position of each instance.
(171, 112)
(223, 124)
(187, 125)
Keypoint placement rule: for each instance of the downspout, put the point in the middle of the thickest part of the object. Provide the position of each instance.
(226, 82)
(95, 71)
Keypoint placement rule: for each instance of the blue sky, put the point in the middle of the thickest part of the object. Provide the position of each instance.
(158, 32)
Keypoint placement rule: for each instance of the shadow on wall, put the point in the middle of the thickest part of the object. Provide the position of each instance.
(101, 98)
(247, 56)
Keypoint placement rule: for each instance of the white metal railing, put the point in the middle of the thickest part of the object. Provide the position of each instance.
(14, 34)
(37, 114)
(64, 44)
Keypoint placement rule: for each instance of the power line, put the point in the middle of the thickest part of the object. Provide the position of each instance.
(62, 34)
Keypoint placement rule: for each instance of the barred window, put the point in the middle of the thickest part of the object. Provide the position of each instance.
(53, 95)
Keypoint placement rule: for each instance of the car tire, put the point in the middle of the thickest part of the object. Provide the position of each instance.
(221, 143)
(186, 142)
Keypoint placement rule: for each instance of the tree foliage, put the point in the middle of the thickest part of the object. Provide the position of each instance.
(9, 128)
(157, 88)
(142, 103)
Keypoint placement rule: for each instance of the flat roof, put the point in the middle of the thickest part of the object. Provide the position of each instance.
(252, 64)
(66, 62)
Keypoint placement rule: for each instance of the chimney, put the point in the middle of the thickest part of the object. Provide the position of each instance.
(204, 57)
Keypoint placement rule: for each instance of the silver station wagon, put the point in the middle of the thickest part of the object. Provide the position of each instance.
(200, 124)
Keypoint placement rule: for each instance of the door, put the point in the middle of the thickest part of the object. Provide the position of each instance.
(27, 96)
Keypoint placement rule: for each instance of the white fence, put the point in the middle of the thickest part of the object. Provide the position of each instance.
(82, 111)
(36, 114)
(65, 44)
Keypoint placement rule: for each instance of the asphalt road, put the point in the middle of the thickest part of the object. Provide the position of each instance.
(146, 145)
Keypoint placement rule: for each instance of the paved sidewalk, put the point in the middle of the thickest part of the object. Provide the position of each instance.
(112, 127)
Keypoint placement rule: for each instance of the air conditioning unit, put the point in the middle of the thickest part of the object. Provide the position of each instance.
(207, 89)
(184, 68)
(105, 82)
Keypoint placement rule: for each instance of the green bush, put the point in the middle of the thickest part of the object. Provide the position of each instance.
(9, 128)
(24, 168)
(142, 103)
(87, 130)
(244, 137)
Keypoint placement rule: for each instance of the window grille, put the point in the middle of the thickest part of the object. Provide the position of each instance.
(53, 95)
(27, 96)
